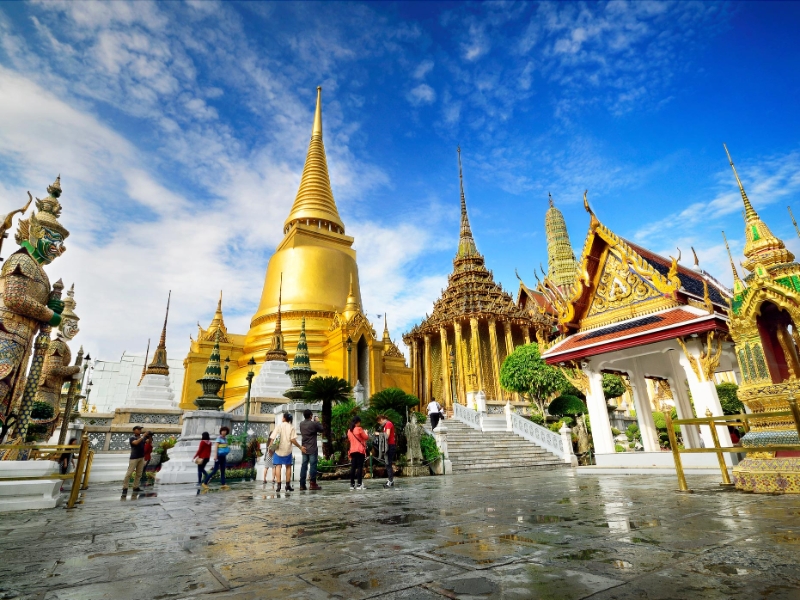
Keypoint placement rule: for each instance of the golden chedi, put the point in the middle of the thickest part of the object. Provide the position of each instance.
(314, 275)
(764, 314)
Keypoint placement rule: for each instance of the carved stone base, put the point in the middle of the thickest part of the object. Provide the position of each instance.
(768, 475)
(416, 471)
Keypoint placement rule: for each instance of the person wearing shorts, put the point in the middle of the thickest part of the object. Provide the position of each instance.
(286, 437)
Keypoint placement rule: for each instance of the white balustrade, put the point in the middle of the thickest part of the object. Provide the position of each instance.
(537, 434)
(467, 416)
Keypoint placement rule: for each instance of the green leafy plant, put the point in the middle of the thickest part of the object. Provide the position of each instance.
(394, 399)
(613, 386)
(536, 418)
(619, 448)
(430, 451)
(330, 391)
(42, 410)
(525, 372)
(729, 398)
(566, 404)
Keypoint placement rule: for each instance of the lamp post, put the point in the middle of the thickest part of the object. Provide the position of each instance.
(349, 352)
(453, 374)
(86, 400)
(224, 383)
(251, 363)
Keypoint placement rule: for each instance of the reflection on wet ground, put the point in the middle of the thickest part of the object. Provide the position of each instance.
(528, 535)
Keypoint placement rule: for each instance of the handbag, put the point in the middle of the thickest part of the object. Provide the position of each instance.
(198, 461)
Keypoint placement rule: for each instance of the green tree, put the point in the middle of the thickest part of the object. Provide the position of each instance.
(613, 387)
(328, 390)
(729, 399)
(394, 399)
(567, 405)
(525, 372)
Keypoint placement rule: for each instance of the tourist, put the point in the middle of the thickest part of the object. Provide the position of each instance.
(269, 465)
(434, 412)
(388, 429)
(358, 452)
(309, 429)
(148, 454)
(220, 463)
(67, 459)
(283, 438)
(202, 456)
(136, 461)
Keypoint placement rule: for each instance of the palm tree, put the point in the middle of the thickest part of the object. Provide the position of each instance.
(394, 399)
(328, 390)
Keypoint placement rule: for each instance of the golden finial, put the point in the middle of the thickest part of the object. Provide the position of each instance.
(749, 212)
(550, 198)
(696, 260)
(730, 257)
(466, 243)
(159, 365)
(317, 129)
(789, 208)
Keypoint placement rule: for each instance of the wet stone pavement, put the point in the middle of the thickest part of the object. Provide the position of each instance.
(472, 536)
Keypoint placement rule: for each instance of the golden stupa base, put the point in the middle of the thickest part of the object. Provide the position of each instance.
(780, 475)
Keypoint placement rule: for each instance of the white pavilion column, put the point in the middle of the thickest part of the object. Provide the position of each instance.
(598, 413)
(644, 410)
(704, 392)
(689, 433)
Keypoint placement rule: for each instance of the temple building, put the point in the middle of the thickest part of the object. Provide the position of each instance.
(457, 350)
(313, 274)
(631, 312)
(561, 265)
(153, 389)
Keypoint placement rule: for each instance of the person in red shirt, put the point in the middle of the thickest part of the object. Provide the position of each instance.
(202, 456)
(358, 452)
(388, 429)
(148, 454)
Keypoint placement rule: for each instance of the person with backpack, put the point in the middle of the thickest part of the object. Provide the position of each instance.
(358, 452)
(220, 463)
(391, 448)
(435, 412)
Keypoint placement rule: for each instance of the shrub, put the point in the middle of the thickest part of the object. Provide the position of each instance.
(537, 418)
(42, 410)
(430, 451)
(394, 399)
(619, 448)
(729, 399)
(615, 431)
(567, 405)
(613, 387)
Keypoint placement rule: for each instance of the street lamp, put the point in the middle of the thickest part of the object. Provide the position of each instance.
(86, 400)
(251, 363)
(349, 352)
(453, 374)
(225, 378)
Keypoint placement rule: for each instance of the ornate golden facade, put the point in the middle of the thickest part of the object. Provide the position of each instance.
(477, 320)
(313, 274)
(764, 314)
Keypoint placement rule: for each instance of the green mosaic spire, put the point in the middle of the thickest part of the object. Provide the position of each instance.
(214, 368)
(212, 381)
(301, 358)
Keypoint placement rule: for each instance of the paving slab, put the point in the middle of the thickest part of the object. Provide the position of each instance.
(532, 534)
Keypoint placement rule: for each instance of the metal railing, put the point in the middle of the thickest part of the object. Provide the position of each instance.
(83, 467)
(740, 420)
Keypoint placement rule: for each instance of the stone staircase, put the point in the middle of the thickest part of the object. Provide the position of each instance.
(471, 450)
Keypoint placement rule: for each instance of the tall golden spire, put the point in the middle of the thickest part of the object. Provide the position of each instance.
(159, 364)
(314, 202)
(466, 243)
(144, 364)
(561, 264)
(761, 246)
(276, 351)
(352, 306)
(738, 284)
(789, 208)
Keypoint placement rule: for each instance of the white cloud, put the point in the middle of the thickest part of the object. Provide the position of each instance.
(421, 94)
(425, 67)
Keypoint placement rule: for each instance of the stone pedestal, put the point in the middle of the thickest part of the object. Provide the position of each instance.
(153, 392)
(443, 464)
(180, 468)
(30, 494)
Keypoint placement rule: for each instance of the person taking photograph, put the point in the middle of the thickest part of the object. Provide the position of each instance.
(309, 429)
(282, 439)
(358, 452)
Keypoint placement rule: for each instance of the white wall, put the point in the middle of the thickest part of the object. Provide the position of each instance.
(112, 381)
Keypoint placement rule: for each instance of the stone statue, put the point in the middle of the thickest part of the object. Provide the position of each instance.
(25, 295)
(57, 367)
(414, 432)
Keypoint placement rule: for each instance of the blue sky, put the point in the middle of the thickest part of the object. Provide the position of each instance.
(180, 131)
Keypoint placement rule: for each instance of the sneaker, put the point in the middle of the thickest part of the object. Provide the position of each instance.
(361, 486)
(303, 488)
(278, 487)
(389, 484)
(204, 486)
(289, 488)
(224, 487)
(352, 487)
(136, 489)
(314, 486)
